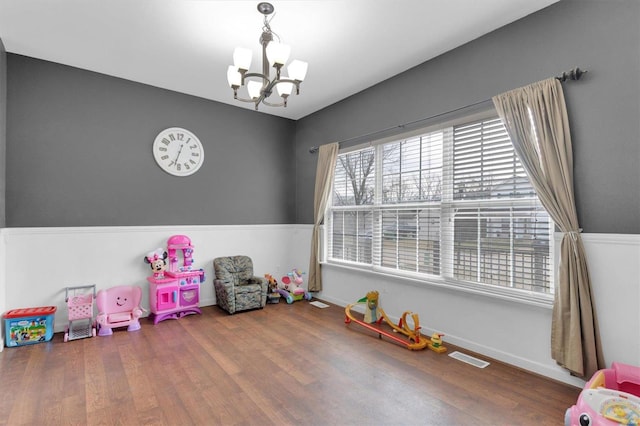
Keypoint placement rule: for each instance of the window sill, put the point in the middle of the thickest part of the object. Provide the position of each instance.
(510, 295)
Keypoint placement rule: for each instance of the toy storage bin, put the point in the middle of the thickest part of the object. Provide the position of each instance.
(26, 326)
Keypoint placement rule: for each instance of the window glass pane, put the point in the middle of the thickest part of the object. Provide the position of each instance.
(412, 169)
(431, 167)
(411, 240)
(455, 203)
(485, 165)
(351, 234)
(429, 241)
(505, 246)
(399, 239)
(354, 178)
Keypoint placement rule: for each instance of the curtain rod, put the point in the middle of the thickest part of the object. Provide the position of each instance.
(571, 75)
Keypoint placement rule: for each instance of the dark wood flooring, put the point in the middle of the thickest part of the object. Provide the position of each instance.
(283, 365)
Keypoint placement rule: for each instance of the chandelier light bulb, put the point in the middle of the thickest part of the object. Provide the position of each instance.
(242, 58)
(284, 89)
(233, 76)
(254, 88)
(297, 70)
(278, 53)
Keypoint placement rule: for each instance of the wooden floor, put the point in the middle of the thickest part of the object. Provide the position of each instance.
(286, 364)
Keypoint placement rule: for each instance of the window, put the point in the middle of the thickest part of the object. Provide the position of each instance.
(451, 205)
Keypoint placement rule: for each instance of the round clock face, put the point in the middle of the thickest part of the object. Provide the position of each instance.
(178, 151)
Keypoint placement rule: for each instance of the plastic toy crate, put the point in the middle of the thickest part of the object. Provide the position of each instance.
(27, 326)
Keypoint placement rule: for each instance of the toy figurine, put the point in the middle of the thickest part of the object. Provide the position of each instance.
(371, 313)
(272, 283)
(272, 296)
(157, 261)
(436, 343)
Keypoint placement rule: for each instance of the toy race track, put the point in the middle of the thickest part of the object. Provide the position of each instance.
(413, 341)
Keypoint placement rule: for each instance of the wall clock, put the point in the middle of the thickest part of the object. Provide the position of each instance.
(178, 151)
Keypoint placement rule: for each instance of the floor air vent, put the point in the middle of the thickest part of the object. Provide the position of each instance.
(468, 359)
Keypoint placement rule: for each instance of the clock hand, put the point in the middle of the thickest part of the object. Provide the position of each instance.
(178, 156)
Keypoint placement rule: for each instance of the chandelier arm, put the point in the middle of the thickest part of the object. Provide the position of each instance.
(237, 98)
(285, 80)
(256, 74)
(296, 84)
(275, 82)
(264, 101)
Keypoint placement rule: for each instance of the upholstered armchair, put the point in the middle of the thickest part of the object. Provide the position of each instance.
(236, 288)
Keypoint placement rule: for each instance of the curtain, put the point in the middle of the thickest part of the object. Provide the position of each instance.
(535, 117)
(327, 157)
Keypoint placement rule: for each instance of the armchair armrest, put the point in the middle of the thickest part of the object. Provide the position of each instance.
(227, 285)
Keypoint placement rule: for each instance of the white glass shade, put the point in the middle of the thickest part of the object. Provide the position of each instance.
(297, 70)
(278, 53)
(233, 76)
(254, 88)
(284, 89)
(242, 58)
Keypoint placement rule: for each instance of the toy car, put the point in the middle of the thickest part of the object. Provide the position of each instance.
(610, 398)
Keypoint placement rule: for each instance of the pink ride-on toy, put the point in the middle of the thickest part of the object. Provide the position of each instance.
(118, 307)
(610, 398)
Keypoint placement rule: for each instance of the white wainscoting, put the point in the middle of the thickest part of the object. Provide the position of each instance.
(614, 267)
(513, 332)
(38, 263)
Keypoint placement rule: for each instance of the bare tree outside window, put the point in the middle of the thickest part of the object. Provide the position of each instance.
(354, 178)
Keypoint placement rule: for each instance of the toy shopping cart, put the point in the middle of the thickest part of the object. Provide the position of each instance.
(80, 305)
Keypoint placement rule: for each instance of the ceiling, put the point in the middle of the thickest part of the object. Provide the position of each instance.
(186, 46)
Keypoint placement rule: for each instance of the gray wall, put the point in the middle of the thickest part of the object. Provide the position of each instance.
(604, 108)
(79, 154)
(79, 143)
(3, 129)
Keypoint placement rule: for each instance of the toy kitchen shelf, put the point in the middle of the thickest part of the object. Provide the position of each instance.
(176, 292)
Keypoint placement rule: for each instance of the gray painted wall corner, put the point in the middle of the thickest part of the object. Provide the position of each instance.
(604, 108)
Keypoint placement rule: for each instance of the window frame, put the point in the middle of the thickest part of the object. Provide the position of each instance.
(445, 205)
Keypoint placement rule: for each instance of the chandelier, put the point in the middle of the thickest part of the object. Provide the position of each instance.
(259, 86)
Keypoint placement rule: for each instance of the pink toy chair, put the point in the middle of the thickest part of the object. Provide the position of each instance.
(118, 307)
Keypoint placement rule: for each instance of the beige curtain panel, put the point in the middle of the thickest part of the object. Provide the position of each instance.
(535, 117)
(327, 157)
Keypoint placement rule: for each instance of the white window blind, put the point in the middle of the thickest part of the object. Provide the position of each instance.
(500, 232)
(485, 165)
(453, 204)
(351, 225)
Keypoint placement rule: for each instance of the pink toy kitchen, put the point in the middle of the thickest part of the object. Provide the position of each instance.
(174, 291)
